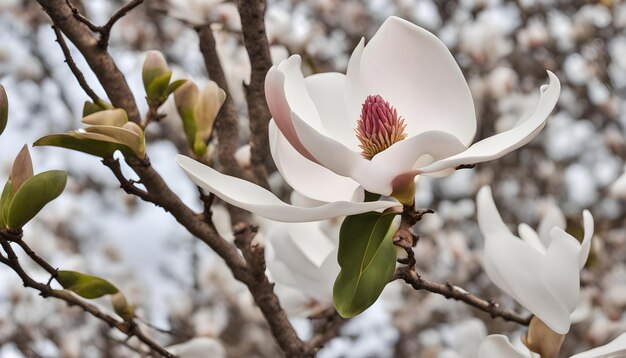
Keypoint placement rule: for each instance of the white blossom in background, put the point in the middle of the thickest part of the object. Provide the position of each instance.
(413, 114)
(196, 12)
(303, 263)
(618, 187)
(541, 270)
(200, 347)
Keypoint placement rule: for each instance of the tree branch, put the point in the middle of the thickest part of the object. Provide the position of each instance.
(160, 194)
(104, 30)
(255, 40)
(226, 123)
(109, 76)
(449, 291)
(45, 290)
(74, 68)
(263, 291)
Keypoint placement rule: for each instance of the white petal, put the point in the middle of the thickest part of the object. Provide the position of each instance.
(498, 346)
(393, 166)
(305, 251)
(255, 199)
(586, 243)
(310, 179)
(615, 349)
(531, 238)
(553, 218)
(327, 92)
(561, 272)
(516, 268)
(503, 143)
(298, 199)
(377, 175)
(311, 241)
(413, 70)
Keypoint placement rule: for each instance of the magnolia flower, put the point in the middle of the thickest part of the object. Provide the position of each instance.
(540, 271)
(498, 346)
(303, 264)
(402, 109)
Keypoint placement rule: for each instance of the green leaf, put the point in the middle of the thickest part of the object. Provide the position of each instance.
(157, 90)
(5, 201)
(91, 143)
(174, 86)
(4, 109)
(367, 258)
(33, 195)
(85, 286)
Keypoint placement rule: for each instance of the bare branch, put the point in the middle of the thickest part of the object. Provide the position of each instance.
(104, 30)
(256, 43)
(449, 291)
(262, 290)
(226, 123)
(100, 61)
(45, 290)
(405, 239)
(73, 67)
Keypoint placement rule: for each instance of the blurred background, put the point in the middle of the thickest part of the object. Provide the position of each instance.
(503, 48)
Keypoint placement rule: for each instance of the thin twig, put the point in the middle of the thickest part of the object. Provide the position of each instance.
(104, 30)
(126, 184)
(73, 67)
(45, 290)
(449, 291)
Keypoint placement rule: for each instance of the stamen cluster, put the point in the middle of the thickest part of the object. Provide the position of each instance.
(379, 126)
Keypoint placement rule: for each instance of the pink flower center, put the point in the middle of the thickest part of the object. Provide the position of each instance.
(379, 126)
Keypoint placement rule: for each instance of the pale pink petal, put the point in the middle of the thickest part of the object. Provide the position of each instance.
(417, 74)
(498, 346)
(503, 143)
(310, 179)
(615, 349)
(296, 93)
(281, 112)
(255, 199)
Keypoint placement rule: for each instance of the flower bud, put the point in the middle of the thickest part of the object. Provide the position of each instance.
(211, 101)
(121, 306)
(153, 67)
(542, 340)
(109, 117)
(4, 109)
